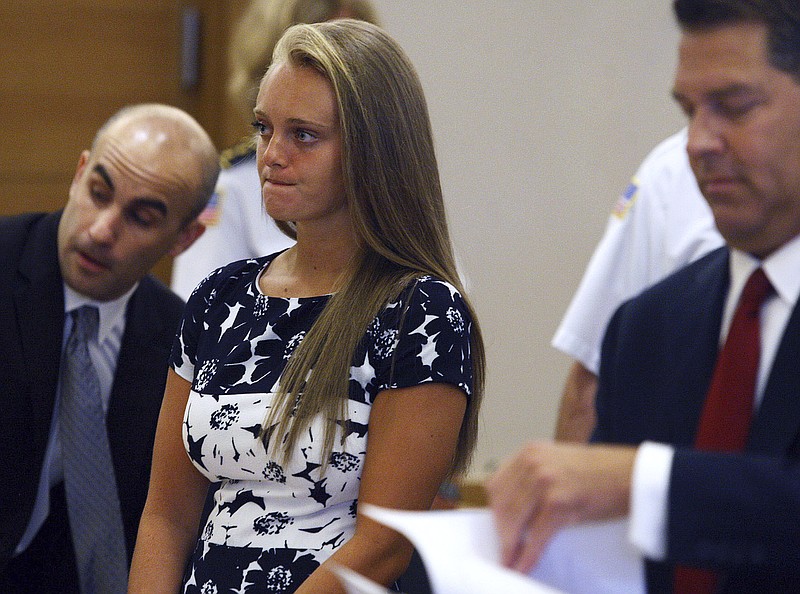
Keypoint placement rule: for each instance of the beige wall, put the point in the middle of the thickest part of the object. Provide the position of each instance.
(542, 109)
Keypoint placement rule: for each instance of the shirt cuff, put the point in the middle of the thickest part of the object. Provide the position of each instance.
(649, 493)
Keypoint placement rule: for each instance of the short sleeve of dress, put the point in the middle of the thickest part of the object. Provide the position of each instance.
(428, 331)
(183, 357)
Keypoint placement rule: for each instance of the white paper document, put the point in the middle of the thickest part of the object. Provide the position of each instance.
(460, 551)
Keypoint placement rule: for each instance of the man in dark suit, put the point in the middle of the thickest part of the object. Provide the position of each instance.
(734, 510)
(134, 198)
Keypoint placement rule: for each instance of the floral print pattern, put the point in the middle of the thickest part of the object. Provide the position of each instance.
(274, 521)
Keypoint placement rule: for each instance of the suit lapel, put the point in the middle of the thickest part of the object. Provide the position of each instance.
(776, 425)
(138, 350)
(39, 303)
(698, 319)
(703, 300)
(136, 400)
(139, 355)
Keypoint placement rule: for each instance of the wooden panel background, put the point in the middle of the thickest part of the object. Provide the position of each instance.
(69, 64)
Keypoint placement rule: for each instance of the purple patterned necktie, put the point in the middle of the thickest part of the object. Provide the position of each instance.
(92, 499)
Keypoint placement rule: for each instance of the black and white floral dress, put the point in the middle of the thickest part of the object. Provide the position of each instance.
(273, 523)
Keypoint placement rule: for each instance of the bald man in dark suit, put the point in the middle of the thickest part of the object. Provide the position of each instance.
(134, 198)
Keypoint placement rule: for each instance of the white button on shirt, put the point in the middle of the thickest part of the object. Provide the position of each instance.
(103, 352)
(650, 484)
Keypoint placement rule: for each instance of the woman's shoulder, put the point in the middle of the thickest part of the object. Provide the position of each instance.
(424, 335)
(430, 288)
(424, 298)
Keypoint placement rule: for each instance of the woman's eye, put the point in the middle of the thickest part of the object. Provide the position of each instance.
(305, 136)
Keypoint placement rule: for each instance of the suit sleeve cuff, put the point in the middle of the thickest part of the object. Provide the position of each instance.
(649, 493)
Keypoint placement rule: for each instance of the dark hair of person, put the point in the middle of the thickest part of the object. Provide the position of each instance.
(781, 18)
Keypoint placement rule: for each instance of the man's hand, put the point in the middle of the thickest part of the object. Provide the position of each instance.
(547, 486)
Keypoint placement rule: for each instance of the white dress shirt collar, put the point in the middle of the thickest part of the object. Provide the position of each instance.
(112, 313)
(781, 268)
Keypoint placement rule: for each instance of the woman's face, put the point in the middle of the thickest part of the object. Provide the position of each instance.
(299, 148)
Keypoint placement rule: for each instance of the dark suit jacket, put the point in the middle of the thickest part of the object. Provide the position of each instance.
(656, 365)
(31, 329)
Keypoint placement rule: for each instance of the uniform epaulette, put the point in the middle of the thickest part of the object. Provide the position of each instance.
(238, 152)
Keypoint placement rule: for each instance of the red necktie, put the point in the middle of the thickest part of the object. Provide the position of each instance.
(728, 409)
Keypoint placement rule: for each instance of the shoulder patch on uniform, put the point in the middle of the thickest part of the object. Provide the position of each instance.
(237, 153)
(626, 199)
(213, 210)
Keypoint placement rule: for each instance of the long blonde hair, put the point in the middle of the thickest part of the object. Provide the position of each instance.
(395, 200)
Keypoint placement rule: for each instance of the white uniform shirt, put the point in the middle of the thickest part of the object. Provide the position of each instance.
(659, 224)
(237, 228)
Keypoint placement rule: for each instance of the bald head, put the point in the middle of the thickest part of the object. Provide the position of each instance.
(158, 131)
(135, 197)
